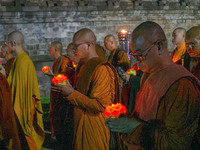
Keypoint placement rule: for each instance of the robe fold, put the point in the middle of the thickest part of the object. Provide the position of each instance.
(168, 106)
(121, 59)
(9, 137)
(96, 87)
(8, 66)
(180, 56)
(26, 98)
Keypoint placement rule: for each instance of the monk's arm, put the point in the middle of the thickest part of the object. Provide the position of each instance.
(177, 120)
(100, 94)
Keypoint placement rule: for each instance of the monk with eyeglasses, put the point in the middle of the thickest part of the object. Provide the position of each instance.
(96, 87)
(167, 109)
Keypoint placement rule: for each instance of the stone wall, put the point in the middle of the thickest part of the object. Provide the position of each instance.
(43, 21)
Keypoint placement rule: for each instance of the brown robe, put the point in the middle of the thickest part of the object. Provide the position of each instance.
(61, 111)
(168, 105)
(96, 87)
(8, 66)
(8, 129)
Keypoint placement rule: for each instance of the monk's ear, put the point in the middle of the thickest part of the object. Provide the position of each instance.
(160, 48)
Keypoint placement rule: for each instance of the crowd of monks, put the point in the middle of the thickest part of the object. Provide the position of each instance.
(162, 98)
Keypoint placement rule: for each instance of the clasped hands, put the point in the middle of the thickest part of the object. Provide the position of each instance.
(125, 77)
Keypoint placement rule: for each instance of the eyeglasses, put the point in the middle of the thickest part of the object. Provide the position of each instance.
(140, 57)
(75, 46)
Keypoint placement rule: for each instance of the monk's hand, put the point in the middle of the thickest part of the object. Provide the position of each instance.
(122, 125)
(64, 89)
(125, 77)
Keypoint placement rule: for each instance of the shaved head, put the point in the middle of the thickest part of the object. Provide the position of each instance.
(85, 35)
(57, 45)
(181, 30)
(149, 31)
(110, 38)
(16, 37)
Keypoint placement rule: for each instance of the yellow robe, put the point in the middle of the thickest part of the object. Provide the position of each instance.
(25, 100)
(90, 101)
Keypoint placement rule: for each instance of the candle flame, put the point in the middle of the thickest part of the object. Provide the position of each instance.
(123, 31)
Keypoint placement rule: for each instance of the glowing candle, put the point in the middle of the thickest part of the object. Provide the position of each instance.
(45, 69)
(59, 79)
(114, 110)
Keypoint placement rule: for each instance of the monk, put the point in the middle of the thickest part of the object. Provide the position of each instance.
(192, 45)
(25, 92)
(179, 55)
(96, 88)
(118, 57)
(167, 109)
(9, 138)
(61, 111)
(8, 57)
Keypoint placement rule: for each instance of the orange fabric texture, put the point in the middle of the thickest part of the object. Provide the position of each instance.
(178, 54)
(90, 130)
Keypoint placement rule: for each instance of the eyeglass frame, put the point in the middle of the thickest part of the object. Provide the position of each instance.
(140, 57)
(75, 46)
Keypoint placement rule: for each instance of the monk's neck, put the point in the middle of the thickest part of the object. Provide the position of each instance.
(161, 66)
(179, 45)
(18, 50)
(89, 57)
(57, 55)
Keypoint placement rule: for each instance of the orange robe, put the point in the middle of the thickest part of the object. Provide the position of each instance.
(8, 129)
(180, 56)
(96, 88)
(100, 51)
(8, 66)
(61, 111)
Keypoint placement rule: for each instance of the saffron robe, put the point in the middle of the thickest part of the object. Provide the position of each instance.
(8, 129)
(180, 56)
(61, 111)
(121, 59)
(96, 87)
(169, 111)
(26, 98)
(8, 66)
(196, 71)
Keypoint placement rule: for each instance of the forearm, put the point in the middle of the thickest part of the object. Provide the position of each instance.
(89, 104)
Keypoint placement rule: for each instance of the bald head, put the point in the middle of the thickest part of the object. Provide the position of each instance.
(149, 31)
(16, 37)
(110, 42)
(57, 45)
(85, 35)
(178, 36)
(193, 32)
(110, 38)
(181, 30)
